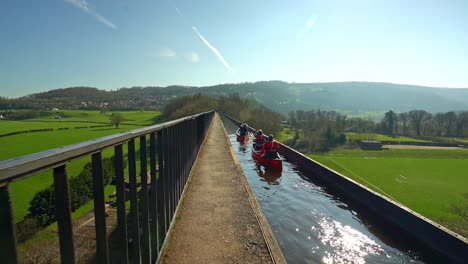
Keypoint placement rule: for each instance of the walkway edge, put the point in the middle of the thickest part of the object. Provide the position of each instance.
(181, 201)
(272, 245)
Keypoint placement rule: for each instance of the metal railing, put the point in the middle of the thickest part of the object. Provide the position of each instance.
(173, 148)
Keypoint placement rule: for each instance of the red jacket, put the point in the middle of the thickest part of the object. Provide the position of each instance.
(260, 139)
(270, 147)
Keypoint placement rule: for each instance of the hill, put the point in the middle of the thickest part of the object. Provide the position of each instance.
(347, 97)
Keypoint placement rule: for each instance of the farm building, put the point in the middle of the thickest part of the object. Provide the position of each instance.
(371, 145)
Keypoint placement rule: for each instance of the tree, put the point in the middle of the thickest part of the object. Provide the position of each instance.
(450, 123)
(116, 119)
(103, 110)
(418, 118)
(389, 123)
(439, 120)
(403, 118)
(462, 124)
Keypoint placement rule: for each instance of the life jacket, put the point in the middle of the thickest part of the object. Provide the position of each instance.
(272, 147)
(260, 139)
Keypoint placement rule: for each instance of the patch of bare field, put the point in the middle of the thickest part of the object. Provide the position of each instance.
(418, 147)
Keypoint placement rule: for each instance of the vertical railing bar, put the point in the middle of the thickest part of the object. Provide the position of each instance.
(102, 255)
(187, 148)
(180, 165)
(184, 152)
(187, 155)
(166, 182)
(153, 200)
(63, 214)
(8, 251)
(160, 190)
(134, 202)
(171, 178)
(174, 178)
(179, 180)
(194, 152)
(121, 212)
(192, 145)
(145, 237)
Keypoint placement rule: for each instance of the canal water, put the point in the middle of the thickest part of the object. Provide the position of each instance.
(310, 224)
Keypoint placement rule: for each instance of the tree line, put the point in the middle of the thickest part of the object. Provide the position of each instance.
(246, 110)
(318, 130)
(420, 123)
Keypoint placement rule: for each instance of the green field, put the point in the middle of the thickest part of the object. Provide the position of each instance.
(287, 133)
(22, 144)
(350, 136)
(429, 182)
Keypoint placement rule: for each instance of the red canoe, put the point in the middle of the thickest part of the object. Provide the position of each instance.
(242, 139)
(274, 164)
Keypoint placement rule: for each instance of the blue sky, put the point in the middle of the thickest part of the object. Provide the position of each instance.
(110, 44)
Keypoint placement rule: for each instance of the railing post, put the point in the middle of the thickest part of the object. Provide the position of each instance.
(168, 178)
(121, 212)
(145, 236)
(160, 189)
(153, 200)
(174, 170)
(8, 252)
(134, 202)
(99, 209)
(63, 214)
(179, 163)
(184, 153)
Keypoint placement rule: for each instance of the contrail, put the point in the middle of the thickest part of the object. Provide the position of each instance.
(213, 49)
(84, 6)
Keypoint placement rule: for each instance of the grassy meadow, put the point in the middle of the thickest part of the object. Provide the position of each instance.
(287, 133)
(351, 136)
(430, 182)
(27, 143)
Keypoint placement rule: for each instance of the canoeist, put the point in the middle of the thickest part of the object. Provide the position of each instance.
(259, 140)
(270, 149)
(243, 129)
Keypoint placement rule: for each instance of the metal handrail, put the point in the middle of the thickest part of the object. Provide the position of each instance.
(21, 167)
(173, 148)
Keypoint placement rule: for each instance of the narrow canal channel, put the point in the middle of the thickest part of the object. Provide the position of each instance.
(310, 224)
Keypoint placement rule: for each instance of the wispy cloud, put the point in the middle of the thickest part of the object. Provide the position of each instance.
(213, 49)
(192, 56)
(166, 52)
(307, 26)
(178, 11)
(84, 6)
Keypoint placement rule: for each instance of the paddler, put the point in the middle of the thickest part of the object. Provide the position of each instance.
(270, 148)
(259, 140)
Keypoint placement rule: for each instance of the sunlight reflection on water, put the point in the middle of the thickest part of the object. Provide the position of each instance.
(349, 245)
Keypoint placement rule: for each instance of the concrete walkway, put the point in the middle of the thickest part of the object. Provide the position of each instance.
(218, 221)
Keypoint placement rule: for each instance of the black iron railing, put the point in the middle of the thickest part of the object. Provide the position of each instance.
(173, 148)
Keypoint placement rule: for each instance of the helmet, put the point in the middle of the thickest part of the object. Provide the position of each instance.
(270, 137)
